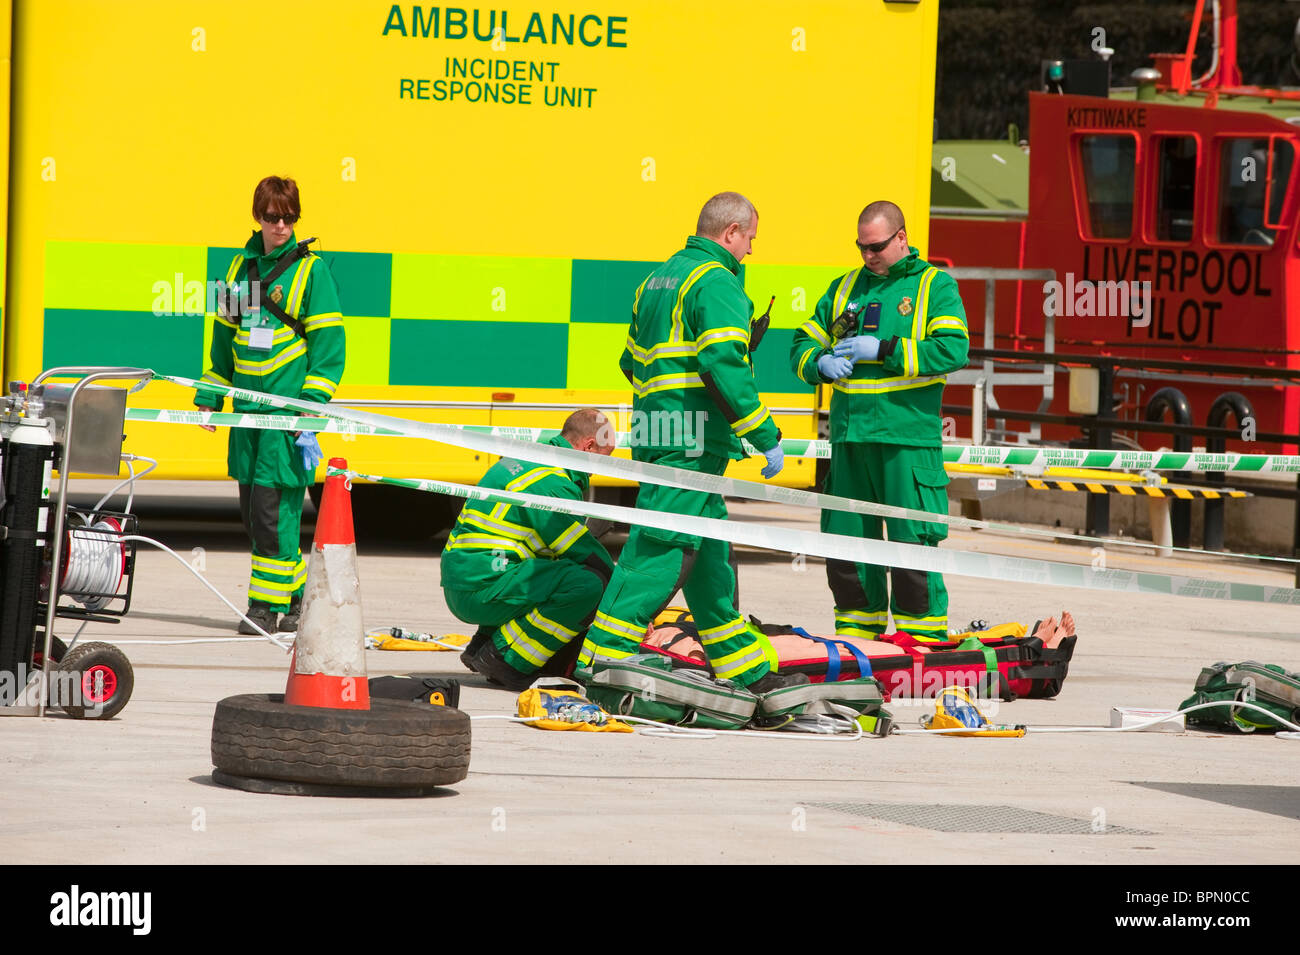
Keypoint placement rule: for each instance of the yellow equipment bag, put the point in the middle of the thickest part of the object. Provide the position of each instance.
(396, 638)
(558, 704)
(954, 709)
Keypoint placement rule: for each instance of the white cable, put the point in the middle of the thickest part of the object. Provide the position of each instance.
(186, 564)
(667, 729)
(1112, 729)
(131, 478)
(170, 643)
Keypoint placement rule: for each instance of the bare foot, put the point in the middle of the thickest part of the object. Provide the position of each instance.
(1045, 630)
(1066, 629)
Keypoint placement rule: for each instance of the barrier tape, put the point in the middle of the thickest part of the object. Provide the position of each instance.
(878, 552)
(1200, 462)
(507, 444)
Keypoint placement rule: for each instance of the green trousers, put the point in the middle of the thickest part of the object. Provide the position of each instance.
(904, 477)
(273, 519)
(655, 564)
(535, 606)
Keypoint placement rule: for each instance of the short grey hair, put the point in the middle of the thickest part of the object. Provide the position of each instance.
(588, 423)
(722, 211)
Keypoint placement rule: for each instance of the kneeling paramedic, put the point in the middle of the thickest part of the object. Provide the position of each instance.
(530, 579)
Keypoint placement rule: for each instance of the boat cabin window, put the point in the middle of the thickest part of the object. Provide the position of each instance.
(1108, 164)
(1176, 189)
(1254, 174)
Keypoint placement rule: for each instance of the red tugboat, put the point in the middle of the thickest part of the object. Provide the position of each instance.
(1169, 213)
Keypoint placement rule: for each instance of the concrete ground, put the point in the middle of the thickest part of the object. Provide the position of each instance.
(139, 786)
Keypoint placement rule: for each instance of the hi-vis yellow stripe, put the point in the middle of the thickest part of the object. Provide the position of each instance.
(923, 302)
(750, 421)
(684, 379)
(245, 367)
(816, 333)
(1129, 490)
(299, 285)
(531, 477)
(842, 296)
(878, 385)
(678, 333)
(662, 350)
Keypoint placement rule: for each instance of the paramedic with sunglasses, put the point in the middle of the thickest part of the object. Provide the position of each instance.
(278, 330)
(884, 337)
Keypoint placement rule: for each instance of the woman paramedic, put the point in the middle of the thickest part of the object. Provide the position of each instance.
(278, 330)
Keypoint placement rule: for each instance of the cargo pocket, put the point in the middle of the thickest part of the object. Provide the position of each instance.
(932, 496)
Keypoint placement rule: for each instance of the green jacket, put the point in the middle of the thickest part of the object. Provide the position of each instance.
(895, 399)
(687, 358)
(490, 538)
(308, 369)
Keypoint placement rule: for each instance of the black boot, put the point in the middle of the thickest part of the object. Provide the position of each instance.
(260, 614)
(488, 661)
(475, 642)
(289, 622)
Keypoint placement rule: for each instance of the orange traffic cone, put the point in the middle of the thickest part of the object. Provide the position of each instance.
(329, 656)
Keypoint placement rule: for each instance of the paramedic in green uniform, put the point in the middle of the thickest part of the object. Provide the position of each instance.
(529, 578)
(687, 358)
(884, 336)
(278, 330)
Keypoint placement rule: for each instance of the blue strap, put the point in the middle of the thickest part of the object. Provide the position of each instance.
(833, 656)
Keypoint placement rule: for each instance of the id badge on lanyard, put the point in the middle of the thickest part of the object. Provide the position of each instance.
(258, 326)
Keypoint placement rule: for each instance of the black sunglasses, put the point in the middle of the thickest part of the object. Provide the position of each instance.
(274, 217)
(876, 246)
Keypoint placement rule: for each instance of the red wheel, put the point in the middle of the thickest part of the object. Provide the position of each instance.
(97, 682)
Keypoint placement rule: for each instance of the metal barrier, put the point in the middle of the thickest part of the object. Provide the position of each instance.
(986, 378)
(1099, 428)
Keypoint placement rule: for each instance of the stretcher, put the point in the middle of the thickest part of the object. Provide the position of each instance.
(995, 663)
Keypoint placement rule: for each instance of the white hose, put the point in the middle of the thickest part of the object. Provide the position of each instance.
(96, 563)
(667, 729)
(186, 564)
(1114, 729)
(131, 478)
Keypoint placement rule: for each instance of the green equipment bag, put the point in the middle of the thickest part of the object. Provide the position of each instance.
(646, 686)
(1264, 684)
(805, 708)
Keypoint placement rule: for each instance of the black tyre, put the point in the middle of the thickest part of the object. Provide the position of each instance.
(393, 744)
(99, 684)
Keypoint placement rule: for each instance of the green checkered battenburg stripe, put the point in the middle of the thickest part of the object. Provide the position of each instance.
(431, 320)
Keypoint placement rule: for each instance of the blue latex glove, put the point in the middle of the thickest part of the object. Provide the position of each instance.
(310, 448)
(834, 368)
(859, 348)
(775, 461)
